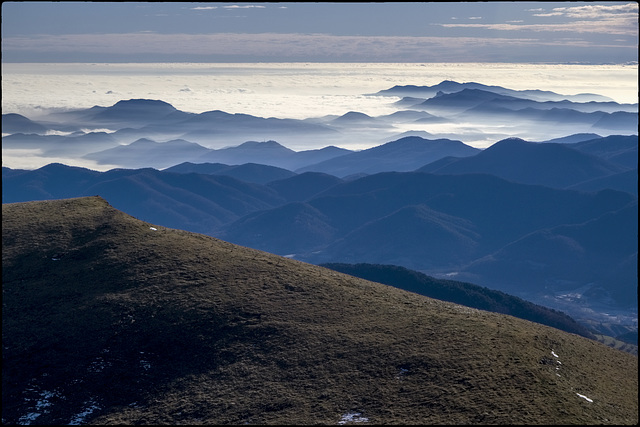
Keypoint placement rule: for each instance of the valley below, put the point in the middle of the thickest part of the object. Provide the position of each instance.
(142, 221)
(542, 220)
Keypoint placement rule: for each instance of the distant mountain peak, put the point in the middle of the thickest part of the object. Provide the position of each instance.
(143, 141)
(513, 140)
(146, 103)
(262, 144)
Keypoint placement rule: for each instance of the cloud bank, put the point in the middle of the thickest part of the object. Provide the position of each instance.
(315, 47)
(593, 19)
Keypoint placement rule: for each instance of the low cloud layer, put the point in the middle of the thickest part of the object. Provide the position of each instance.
(316, 47)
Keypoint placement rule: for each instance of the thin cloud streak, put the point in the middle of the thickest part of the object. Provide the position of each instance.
(288, 46)
(596, 11)
(600, 27)
(596, 19)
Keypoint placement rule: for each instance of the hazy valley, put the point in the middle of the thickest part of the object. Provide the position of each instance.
(208, 223)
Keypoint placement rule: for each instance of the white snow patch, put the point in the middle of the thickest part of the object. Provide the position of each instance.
(41, 405)
(353, 417)
(585, 397)
(25, 420)
(153, 228)
(79, 418)
(554, 354)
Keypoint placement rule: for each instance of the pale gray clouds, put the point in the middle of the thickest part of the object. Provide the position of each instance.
(593, 32)
(289, 47)
(597, 19)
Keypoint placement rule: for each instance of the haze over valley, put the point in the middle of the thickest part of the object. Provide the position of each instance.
(519, 215)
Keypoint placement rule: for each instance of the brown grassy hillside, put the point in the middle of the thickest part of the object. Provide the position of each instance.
(111, 320)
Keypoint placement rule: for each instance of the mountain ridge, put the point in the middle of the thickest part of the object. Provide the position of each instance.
(188, 329)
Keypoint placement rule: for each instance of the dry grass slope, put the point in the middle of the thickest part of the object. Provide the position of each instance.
(111, 320)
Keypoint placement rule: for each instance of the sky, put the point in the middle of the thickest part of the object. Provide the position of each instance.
(596, 32)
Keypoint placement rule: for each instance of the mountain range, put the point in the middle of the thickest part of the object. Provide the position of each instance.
(152, 133)
(552, 221)
(108, 319)
(449, 86)
(472, 223)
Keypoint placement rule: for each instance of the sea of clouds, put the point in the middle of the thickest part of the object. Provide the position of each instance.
(286, 90)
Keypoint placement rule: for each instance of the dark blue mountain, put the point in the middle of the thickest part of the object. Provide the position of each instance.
(53, 181)
(265, 152)
(132, 111)
(157, 120)
(147, 153)
(413, 236)
(572, 139)
(303, 186)
(412, 116)
(466, 99)
(218, 123)
(269, 153)
(194, 202)
(598, 120)
(248, 172)
(286, 230)
(448, 86)
(550, 164)
(619, 149)
(310, 157)
(494, 211)
(16, 123)
(405, 154)
(601, 253)
(624, 181)
(353, 117)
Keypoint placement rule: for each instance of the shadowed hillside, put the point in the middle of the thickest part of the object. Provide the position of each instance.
(463, 293)
(108, 319)
(493, 232)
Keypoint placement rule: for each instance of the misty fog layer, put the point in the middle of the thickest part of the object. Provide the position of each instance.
(300, 106)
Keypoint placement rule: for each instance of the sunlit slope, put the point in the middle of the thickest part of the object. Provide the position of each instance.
(108, 319)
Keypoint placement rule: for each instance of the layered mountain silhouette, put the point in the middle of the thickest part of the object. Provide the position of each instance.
(249, 172)
(550, 164)
(472, 112)
(405, 154)
(16, 123)
(449, 86)
(108, 319)
(593, 249)
(196, 202)
(419, 197)
(450, 220)
(148, 153)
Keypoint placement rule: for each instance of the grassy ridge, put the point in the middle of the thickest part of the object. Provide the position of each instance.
(463, 293)
(114, 320)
